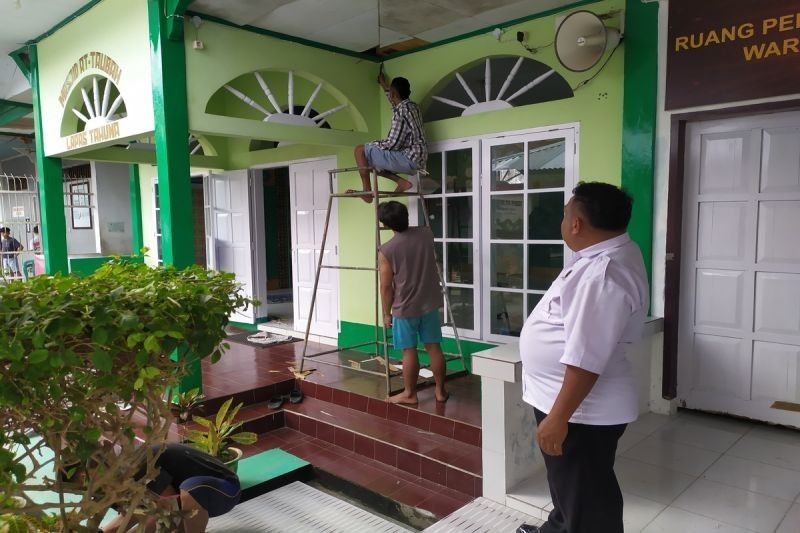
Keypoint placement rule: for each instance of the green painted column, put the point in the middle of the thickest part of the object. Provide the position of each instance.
(639, 120)
(168, 70)
(137, 234)
(53, 227)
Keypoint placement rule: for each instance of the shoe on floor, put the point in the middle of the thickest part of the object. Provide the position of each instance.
(527, 528)
(296, 396)
(275, 402)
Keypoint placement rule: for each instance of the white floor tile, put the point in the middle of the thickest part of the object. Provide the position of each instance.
(791, 524)
(733, 506)
(673, 455)
(673, 520)
(638, 512)
(628, 440)
(767, 451)
(692, 431)
(534, 490)
(777, 434)
(649, 422)
(652, 482)
(756, 477)
(722, 423)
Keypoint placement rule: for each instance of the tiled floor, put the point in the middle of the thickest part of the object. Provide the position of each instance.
(385, 480)
(696, 473)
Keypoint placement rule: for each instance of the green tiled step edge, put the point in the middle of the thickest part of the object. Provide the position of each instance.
(270, 470)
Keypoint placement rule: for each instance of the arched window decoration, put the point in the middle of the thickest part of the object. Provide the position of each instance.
(492, 83)
(102, 103)
(293, 109)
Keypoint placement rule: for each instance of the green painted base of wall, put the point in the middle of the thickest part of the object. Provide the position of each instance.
(353, 333)
(84, 266)
(243, 325)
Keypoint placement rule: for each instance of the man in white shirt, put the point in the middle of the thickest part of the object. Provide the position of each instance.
(575, 373)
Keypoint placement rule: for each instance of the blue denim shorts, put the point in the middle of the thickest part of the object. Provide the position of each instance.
(427, 328)
(390, 160)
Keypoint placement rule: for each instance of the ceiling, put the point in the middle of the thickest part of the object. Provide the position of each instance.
(364, 25)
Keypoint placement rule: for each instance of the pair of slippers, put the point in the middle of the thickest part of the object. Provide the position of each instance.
(296, 396)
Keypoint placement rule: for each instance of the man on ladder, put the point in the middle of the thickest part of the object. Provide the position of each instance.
(411, 296)
(405, 150)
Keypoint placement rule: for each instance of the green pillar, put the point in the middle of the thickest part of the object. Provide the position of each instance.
(168, 70)
(53, 227)
(137, 235)
(639, 120)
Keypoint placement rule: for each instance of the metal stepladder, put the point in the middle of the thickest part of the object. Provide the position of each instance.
(381, 343)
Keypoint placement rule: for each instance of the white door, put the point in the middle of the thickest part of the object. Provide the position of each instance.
(739, 345)
(309, 192)
(526, 181)
(229, 212)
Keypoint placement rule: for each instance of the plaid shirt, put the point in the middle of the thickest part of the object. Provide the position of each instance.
(407, 134)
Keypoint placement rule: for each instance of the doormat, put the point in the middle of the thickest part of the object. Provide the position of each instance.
(261, 339)
(786, 406)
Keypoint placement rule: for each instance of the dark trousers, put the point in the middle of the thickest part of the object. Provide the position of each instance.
(584, 488)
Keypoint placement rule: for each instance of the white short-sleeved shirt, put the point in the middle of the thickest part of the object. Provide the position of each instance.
(588, 318)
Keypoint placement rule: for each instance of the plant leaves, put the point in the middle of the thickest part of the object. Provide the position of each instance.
(38, 356)
(102, 360)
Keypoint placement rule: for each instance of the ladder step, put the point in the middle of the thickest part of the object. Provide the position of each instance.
(368, 194)
(332, 267)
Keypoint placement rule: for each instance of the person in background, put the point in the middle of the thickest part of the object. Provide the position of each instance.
(35, 244)
(575, 372)
(9, 248)
(405, 150)
(411, 297)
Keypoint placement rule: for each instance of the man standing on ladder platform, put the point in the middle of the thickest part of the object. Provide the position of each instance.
(411, 296)
(405, 150)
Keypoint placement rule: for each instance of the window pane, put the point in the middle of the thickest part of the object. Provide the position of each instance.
(506, 313)
(506, 266)
(158, 247)
(545, 212)
(533, 300)
(507, 217)
(155, 192)
(462, 302)
(439, 255)
(459, 217)
(459, 262)
(158, 221)
(546, 164)
(434, 206)
(545, 262)
(508, 172)
(459, 170)
(432, 183)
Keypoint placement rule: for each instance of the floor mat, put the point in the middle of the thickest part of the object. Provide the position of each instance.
(296, 508)
(242, 338)
(482, 516)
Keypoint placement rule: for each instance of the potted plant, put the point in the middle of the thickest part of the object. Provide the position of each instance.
(219, 433)
(184, 403)
(72, 350)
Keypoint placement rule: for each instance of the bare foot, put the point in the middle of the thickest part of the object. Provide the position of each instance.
(403, 185)
(403, 398)
(367, 199)
(442, 396)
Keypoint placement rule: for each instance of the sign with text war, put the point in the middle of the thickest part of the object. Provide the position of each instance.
(729, 50)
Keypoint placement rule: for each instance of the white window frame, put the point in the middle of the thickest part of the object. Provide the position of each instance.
(450, 146)
(570, 136)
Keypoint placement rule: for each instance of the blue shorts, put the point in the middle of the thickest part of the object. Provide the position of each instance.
(217, 496)
(390, 160)
(406, 330)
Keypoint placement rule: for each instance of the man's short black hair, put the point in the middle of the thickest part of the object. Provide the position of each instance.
(402, 87)
(605, 206)
(393, 215)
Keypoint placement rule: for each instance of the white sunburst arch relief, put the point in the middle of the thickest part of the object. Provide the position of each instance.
(497, 102)
(99, 111)
(289, 117)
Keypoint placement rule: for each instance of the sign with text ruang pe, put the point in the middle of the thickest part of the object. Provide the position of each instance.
(730, 50)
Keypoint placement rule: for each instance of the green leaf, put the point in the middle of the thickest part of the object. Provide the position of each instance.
(102, 360)
(138, 384)
(206, 423)
(245, 437)
(129, 321)
(38, 356)
(151, 344)
(100, 335)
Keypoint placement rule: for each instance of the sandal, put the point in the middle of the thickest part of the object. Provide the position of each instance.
(275, 402)
(296, 396)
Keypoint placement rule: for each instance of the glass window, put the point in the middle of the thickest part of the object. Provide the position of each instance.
(432, 183)
(506, 313)
(507, 261)
(459, 217)
(545, 262)
(507, 220)
(533, 301)
(459, 171)
(434, 207)
(545, 212)
(462, 302)
(460, 266)
(546, 164)
(508, 167)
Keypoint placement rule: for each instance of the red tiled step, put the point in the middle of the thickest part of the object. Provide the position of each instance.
(406, 415)
(383, 479)
(441, 460)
